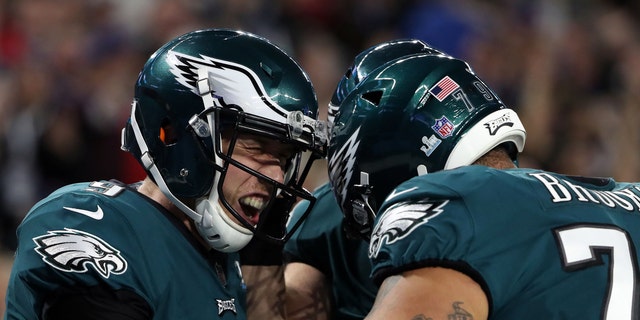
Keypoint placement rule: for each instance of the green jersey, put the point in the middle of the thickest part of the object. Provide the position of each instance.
(103, 239)
(541, 245)
(321, 242)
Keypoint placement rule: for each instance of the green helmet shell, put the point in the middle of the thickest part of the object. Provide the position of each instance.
(166, 96)
(417, 114)
(372, 58)
(207, 83)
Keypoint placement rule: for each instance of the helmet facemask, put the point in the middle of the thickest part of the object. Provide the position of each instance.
(229, 123)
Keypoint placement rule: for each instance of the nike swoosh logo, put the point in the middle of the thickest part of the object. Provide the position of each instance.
(97, 214)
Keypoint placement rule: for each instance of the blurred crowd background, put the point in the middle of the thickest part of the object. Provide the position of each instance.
(571, 68)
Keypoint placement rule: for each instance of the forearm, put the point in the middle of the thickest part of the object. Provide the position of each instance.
(265, 291)
(307, 293)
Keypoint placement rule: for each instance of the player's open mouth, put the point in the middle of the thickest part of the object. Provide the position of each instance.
(251, 207)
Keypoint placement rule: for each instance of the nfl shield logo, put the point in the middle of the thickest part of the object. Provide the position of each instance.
(443, 127)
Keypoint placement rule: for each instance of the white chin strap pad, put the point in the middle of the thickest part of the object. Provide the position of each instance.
(499, 126)
(220, 231)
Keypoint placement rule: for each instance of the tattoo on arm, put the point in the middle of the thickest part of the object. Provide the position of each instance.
(458, 314)
(389, 283)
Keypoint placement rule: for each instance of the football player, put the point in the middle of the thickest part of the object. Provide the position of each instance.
(219, 121)
(481, 239)
(327, 274)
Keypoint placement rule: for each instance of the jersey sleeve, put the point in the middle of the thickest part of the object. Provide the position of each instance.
(428, 225)
(72, 239)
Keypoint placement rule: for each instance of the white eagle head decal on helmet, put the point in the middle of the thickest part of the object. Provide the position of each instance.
(400, 220)
(72, 250)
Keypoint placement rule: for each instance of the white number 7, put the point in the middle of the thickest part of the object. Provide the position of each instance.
(583, 246)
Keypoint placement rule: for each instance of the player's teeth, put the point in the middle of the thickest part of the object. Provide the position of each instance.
(254, 202)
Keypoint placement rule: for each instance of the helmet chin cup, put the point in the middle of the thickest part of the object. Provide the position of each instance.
(218, 230)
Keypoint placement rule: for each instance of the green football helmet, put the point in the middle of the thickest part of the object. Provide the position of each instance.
(202, 84)
(414, 115)
(369, 60)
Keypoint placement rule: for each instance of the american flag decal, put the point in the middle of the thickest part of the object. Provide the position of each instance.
(444, 88)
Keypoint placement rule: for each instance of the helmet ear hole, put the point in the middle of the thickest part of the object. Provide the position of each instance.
(167, 134)
(373, 97)
(266, 69)
(348, 73)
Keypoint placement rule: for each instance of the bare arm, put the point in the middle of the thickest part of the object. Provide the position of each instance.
(265, 291)
(307, 292)
(430, 293)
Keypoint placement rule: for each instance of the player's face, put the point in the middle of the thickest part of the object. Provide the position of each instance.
(246, 193)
